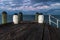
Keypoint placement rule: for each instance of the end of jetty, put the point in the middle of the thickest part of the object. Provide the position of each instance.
(25, 30)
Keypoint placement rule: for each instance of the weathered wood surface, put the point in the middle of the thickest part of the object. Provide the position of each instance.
(28, 31)
(54, 33)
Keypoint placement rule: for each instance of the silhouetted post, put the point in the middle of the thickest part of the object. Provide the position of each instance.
(36, 17)
(41, 18)
(20, 16)
(15, 18)
(4, 17)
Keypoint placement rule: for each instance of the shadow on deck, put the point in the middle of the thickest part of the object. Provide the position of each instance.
(28, 31)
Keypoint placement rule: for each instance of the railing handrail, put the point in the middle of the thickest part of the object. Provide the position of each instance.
(50, 20)
(55, 18)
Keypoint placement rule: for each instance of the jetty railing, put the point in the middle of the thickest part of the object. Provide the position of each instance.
(51, 21)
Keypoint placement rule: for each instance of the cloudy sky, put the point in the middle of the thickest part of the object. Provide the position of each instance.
(29, 5)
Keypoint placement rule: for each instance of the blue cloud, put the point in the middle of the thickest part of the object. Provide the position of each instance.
(29, 5)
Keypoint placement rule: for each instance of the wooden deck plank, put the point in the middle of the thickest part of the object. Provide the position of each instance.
(25, 36)
(58, 33)
(53, 34)
(46, 33)
(37, 33)
(31, 31)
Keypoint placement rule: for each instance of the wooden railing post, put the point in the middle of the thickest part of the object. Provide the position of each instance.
(15, 18)
(4, 17)
(20, 16)
(40, 18)
(57, 23)
(36, 17)
(49, 20)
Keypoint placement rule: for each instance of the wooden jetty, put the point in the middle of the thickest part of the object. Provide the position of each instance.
(28, 31)
(25, 30)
